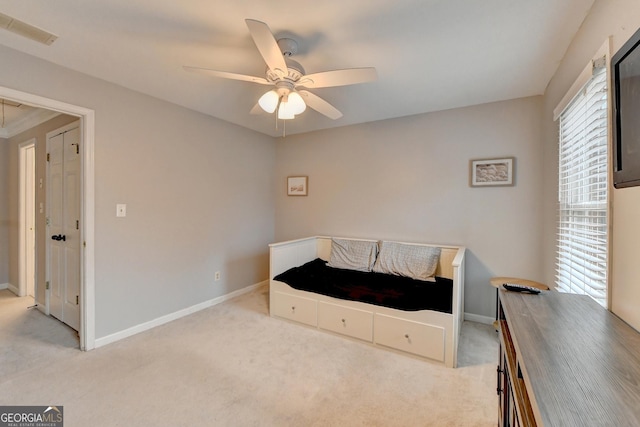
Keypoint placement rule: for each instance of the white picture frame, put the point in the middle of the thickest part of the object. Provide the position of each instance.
(297, 185)
(494, 172)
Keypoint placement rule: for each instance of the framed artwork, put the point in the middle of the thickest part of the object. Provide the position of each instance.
(491, 172)
(297, 185)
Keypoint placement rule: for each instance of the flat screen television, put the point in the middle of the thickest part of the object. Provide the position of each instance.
(625, 84)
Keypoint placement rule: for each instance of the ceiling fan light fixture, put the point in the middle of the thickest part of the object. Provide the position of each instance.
(285, 112)
(291, 104)
(269, 101)
(296, 103)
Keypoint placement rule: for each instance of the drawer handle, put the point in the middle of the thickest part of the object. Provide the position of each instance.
(293, 308)
(344, 323)
(408, 338)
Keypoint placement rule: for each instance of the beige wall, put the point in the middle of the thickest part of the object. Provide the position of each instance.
(618, 19)
(4, 212)
(13, 184)
(408, 179)
(198, 192)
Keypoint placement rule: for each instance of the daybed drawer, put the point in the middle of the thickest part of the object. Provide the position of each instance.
(412, 337)
(303, 310)
(347, 321)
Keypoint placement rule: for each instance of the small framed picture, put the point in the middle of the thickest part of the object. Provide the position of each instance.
(491, 172)
(297, 185)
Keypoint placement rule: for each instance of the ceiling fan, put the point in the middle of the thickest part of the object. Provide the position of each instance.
(290, 95)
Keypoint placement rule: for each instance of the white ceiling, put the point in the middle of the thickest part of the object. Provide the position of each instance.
(430, 54)
(18, 117)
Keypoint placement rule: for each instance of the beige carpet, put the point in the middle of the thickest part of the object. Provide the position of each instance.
(233, 365)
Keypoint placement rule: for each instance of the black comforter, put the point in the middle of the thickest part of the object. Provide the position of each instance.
(386, 290)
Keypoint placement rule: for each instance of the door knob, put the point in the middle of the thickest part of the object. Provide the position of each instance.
(59, 237)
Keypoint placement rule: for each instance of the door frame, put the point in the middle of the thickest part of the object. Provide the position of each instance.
(22, 240)
(87, 210)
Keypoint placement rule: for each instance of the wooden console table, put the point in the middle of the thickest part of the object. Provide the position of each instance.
(497, 283)
(566, 361)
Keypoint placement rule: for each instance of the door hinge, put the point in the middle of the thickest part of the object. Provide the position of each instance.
(46, 285)
(77, 300)
(48, 157)
(77, 148)
(77, 225)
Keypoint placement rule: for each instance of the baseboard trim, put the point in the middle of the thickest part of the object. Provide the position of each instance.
(478, 318)
(13, 289)
(4, 286)
(100, 342)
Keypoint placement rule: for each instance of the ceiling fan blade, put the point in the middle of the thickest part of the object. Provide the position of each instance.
(320, 105)
(257, 109)
(226, 75)
(345, 77)
(267, 45)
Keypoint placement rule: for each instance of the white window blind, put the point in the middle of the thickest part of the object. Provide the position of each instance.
(581, 259)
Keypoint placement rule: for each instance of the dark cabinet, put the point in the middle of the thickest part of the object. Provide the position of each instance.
(515, 407)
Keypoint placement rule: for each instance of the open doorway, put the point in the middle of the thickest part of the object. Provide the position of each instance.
(86, 299)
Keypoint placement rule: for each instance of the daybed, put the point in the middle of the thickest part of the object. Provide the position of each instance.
(405, 322)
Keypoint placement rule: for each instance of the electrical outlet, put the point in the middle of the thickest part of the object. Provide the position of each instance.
(216, 277)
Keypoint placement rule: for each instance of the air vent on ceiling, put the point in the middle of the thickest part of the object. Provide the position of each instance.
(25, 30)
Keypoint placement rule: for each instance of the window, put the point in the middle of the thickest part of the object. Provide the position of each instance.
(581, 258)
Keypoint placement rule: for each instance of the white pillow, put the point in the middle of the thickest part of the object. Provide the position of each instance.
(415, 261)
(353, 254)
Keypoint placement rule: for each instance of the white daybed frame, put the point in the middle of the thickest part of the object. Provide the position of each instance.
(430, 334)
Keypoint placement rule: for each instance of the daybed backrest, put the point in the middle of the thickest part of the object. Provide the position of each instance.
(324, 247)
(444, 269)
(445, 265)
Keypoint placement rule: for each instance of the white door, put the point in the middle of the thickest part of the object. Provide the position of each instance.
(27, 239)
(63, 201)
(30, 223)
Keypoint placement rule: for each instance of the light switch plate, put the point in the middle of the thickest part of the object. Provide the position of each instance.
(121, 210)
